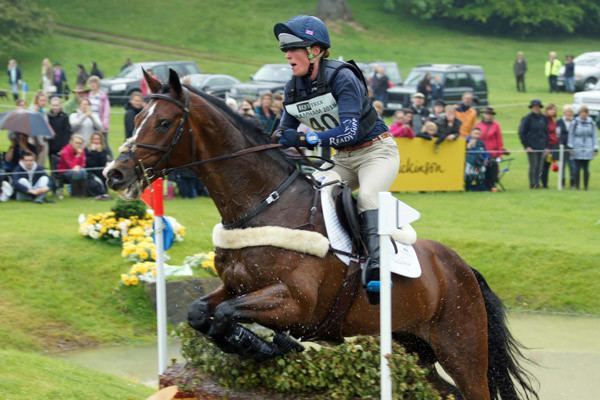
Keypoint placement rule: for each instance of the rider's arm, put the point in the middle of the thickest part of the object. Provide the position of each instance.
(349, 93)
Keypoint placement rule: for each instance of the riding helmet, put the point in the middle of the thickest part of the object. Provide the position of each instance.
(300, 32)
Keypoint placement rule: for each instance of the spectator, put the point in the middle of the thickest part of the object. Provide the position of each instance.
(127, 64)
(379, 108)
(491, 136)
(72, 164)
(40, 104)
(533, 133)
(71, 105)
(552, 69)
(247, 111)
(14, 78)
(379, 84)
(476, 159)
(96, 158)
(231, 103)
(520, 69)
(144, 85)
(19, 145)
(448, 125)
(407, 128)
(466, 114)
(552, 155)
(188, 184)
(265, 115)
(85, 122)
(398, 124)
(133, 107)
(438, 111)
(82, 75)
(46, 83)
(95, 71)
(59, 79)
(428, 131)
(6, 191)
(437, 88)
(425, 87)
(562, 131)
(583, 140)
(59, 121)
(99, 103)
(419, 111)
(30, 180)
(570, 74)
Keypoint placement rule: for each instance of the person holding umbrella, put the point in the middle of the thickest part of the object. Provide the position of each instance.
(18, 145)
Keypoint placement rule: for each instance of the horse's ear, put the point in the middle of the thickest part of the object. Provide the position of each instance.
(153, 83)
(174, 82)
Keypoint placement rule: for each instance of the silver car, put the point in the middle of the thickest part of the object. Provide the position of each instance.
(589, 98)
(587, 71)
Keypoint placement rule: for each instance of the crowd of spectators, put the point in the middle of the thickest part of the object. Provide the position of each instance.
(80, 119)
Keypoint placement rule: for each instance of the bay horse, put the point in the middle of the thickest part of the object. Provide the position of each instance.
(448, 315)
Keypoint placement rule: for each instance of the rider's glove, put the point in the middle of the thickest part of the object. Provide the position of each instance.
(291, 138)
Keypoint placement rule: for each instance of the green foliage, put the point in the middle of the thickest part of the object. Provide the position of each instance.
(524, 17)
(349, 370)
(21, 22)
(129, 208)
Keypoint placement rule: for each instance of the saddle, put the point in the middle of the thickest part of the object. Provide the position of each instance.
(347, 213)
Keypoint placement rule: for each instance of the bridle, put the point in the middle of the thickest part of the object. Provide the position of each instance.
(149, 173)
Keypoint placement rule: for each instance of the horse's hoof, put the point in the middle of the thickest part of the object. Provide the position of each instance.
(199, 316)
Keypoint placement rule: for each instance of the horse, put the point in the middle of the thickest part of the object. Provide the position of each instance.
(447, 315)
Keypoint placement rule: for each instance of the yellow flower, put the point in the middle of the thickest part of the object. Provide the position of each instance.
(134, 280)
(125, 279)
(141, 253)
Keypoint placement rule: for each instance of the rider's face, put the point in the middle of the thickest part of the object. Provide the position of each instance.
(298, 60)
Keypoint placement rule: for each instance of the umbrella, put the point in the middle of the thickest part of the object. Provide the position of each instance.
(31, 123)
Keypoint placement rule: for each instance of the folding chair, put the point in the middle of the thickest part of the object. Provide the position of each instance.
(503, 169)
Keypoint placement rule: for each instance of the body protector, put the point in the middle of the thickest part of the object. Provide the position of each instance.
(317, 107)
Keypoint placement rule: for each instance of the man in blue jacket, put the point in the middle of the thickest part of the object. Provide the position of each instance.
(534, 137)
(30, 180)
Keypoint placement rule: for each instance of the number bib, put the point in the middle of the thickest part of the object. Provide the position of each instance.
(319, 113)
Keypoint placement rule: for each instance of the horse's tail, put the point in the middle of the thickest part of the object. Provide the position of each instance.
(504, 369)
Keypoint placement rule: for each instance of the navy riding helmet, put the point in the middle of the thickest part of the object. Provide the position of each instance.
(300, 32)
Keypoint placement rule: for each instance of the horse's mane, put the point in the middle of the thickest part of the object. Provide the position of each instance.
(250, 130)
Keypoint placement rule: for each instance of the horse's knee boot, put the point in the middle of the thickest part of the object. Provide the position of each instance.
(199, 316)
(250, 345)
(286, 343)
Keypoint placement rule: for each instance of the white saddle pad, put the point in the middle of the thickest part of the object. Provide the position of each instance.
(404, 262)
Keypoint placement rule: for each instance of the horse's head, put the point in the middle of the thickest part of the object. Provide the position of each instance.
(159, 128)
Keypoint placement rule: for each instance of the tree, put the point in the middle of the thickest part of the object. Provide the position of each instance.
(525, 17)
(21, 22)
(334, 10)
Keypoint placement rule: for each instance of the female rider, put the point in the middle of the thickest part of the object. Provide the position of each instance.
(331, 98)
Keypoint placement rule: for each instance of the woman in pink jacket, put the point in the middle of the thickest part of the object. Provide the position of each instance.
(491, 136)
(72, 164)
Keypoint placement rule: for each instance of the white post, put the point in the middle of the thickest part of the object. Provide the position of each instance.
(161, 303)
(561, 165)
(386, 224)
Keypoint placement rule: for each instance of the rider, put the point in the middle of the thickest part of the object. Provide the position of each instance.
(331, 98)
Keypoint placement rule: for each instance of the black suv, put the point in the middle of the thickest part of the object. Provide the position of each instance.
(455, 78)
(120, 87)
(269, 78)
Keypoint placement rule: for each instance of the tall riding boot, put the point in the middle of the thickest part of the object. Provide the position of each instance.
(369, 222)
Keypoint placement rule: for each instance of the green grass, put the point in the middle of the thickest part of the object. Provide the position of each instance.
(30, 376)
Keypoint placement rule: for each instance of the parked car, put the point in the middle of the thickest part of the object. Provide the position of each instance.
(455, 78)
(120, 87)
(269, 78)
(217, 85)
(391, 70)
(590, 98)
(587, 71)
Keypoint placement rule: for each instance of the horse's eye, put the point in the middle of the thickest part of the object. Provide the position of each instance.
(164, 124)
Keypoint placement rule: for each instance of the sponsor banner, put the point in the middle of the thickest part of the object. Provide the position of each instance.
(423, 168)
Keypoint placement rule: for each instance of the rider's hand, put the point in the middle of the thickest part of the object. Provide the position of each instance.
(290, 138)
(276, 135)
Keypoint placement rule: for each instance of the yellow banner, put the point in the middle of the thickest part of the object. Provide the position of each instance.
(425, 168)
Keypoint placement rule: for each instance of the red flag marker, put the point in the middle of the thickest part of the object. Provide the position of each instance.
(153, 197)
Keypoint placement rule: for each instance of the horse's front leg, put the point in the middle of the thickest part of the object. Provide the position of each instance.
(200, 312)
(272, 306)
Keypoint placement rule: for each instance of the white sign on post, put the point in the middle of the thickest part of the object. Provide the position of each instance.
(393, 215)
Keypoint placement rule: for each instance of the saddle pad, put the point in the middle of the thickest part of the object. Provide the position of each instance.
(404, 262)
